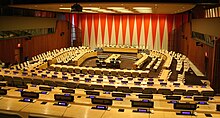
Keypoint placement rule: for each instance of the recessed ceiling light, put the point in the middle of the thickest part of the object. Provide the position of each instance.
(61, 5)
(35, 5)
(141, 8)
(92, 8)
(88, 11)
(145, 11)
(115, 8)
(64, 8)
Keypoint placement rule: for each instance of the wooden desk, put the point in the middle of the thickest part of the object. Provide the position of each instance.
(82, 57)
(46, 109)
(12, 104)
(141, 61)
(121, 50)
(113, 56)
(79, 111)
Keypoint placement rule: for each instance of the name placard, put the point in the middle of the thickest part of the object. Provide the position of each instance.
(67, 98)
(146, 104)
(102, 101)
(29, 94)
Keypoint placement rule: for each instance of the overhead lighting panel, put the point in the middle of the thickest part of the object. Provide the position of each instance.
(64, 8)
(115, 8)
(142, 8)
(91, 8)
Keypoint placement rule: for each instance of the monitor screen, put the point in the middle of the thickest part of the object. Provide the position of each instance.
(186, 106)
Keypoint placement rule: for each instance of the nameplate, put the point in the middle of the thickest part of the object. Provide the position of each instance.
(100, 107)
(68, 91)
(44, 88)
(67, 98)
(173, 97)
(92, 93)
(118, 95)
(201, 98)
(61, 104)
(143, 103)
(119, 99)
(185, 113)
(103, 101)
(29, 94)
(145, 96)
(27, 100)
(142, 111)
(186, 106)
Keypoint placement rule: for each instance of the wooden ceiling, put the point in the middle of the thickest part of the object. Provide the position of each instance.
(155, 8)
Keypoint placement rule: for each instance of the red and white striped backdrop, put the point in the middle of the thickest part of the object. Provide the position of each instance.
(151, 30)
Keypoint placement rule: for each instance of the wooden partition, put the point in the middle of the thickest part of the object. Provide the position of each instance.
(37, 44)
(197, 54)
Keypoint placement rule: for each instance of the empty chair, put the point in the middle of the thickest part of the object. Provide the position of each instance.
(96, 87)
(84, 71)
(17, 81)
(208, 93)
(98, 72)
(1, 78)
(150, 91)
(84, 86)
(92, 72)
(144, 75)
(109, 88)
(49, 83)
(60, 84)
(135, 74)
(192, 92)
(71, 85)
(78, 71)
(114, 73)
(136, 89)
(164, 91)
(128, 73)
(121, 73)
(64, 69)
(37, 82)
(179, 91)
(27, 80)
(9, 80)
(51, 68)
(57, 69)
(105, 72)
(123, 89)
(70, 70)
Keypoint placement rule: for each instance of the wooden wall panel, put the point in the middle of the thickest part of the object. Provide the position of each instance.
(187, 46)
(37, 45)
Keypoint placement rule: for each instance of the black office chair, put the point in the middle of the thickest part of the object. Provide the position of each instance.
(71, 85)
(49, 83)
(150, 91)
(96, 87)
(37, 82)
(124, 89)
(60, 84)
(109, 88)
(27, 80)
(136, 89)
(9, 80)
(179, 91)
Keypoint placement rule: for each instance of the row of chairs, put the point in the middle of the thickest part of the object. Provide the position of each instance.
(97, 72)
(17, 82)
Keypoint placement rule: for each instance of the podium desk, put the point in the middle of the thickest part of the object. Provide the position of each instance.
(79, 111)
(12, 104)
(46, 109)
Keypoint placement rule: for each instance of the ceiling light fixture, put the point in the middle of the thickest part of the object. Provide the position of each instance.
(64, 8)
(115, 8)
(141, 8)
(92, 8)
